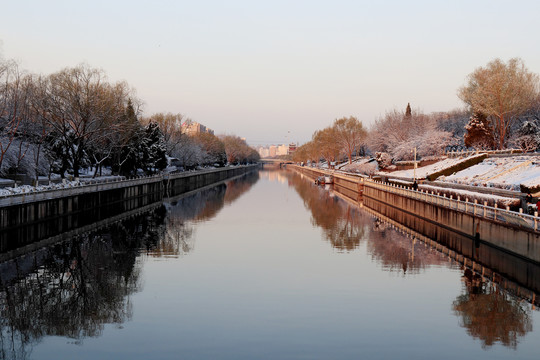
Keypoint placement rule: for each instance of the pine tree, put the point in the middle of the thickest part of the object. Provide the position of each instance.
(408, 111)
(479, 132)
(154, 149)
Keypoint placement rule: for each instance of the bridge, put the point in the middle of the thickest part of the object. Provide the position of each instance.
(274, 162)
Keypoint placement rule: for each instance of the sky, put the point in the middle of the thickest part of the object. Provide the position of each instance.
(275, 71)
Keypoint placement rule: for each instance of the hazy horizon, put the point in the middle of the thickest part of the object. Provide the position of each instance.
(275, 72)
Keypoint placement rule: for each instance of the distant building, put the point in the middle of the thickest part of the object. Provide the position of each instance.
(292, 148)
(272, 150)
(194, 128)
(263, 152)
(282, 149)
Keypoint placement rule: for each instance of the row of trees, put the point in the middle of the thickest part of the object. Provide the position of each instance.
(345, 138)
(76, 119)
(503, 110)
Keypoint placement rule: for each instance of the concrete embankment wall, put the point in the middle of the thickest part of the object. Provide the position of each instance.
(33, 217)
(177, 184)
(505, 235)
(350, 185)
(508, 237)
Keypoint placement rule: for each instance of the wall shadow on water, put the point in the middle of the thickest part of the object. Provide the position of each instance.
(494, 283)
(521, 271)
(75, 287)
(87, 210)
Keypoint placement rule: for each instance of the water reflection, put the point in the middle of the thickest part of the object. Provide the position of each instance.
(76, 287)
(197, 206)
(490, 314)
(400, 253)
(343, 225)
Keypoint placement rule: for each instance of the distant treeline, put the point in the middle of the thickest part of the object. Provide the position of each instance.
(502, 110)
(76, 119)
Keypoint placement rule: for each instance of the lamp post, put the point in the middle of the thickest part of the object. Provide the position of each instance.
(414, 173)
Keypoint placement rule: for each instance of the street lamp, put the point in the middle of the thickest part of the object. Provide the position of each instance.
(414, 175)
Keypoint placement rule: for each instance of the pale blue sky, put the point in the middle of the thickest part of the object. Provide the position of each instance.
(259, 69)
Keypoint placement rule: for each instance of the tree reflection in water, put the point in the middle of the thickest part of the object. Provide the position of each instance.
(203, 205)
(74, 288)
(343, 225)
(400, 253)
(490, 314)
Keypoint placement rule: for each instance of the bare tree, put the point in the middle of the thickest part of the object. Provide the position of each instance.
(238, 151)
(350, 134)
(326, 144)
(501, 91)
(81, 108)
(15, 92)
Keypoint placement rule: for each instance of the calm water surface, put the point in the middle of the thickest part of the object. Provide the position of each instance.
(268, 266)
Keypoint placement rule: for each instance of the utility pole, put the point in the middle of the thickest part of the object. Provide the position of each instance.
(414, 164)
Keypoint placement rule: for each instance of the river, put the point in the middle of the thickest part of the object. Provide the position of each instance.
(266, 266)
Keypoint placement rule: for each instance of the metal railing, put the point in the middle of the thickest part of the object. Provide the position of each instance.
(461, 204)
(82, 188)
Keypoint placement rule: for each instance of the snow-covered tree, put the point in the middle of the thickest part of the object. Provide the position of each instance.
(398, 134)
(383, 159)
(15, 113)
(501, 91)
(479, 132)
(453, 121)
(434, 142)
(82, 107)
(189, 152)
(170, 126)
(155, 149)
(528, 136)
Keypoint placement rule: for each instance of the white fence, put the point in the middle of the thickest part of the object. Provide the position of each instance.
(462, 205)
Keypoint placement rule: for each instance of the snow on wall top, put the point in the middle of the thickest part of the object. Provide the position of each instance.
(424, 171)
(505, 173)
